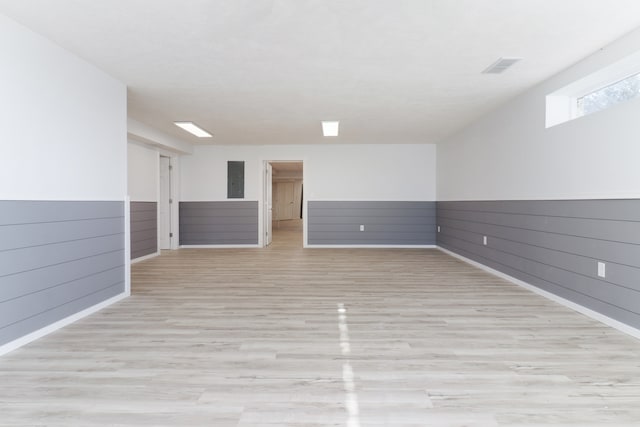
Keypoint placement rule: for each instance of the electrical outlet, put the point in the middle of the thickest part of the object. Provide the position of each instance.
(362, 228)
(484, 240)
(602, 272)
(438, 229)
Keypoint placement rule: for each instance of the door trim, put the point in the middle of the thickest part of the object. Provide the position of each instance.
(262, 224)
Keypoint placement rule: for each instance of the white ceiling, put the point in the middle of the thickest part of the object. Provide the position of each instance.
(268, 71)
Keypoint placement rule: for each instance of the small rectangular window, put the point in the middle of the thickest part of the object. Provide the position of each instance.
(609, 96)
(604, 88)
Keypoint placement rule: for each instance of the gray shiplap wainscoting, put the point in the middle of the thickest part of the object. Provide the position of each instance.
(555, 246)
(389, 223)
(219, 223)
(57, 258)
(144, 228)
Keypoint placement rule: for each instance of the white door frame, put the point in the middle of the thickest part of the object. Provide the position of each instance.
(267, 204)
(261, 205)
(174, 207)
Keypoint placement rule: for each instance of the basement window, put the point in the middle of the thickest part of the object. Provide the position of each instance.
(608, 96)
(607, 87)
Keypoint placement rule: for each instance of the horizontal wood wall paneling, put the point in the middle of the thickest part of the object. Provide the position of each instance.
(373, 228)
(39, 234)
(221, 235)
(385, 223)
(621, 275)
(221, 228)
(144, 247)
(33, 281)
(139, 206)
(144, 228)
(219, 223)
(605, 250)
(57, 258)
(18, 309)
(372, 241)
(427, 220)
(218, 205)
(150, 215)
(613, 209)
(215, 213)
(218, 220)
(217, 240)
(619, 231)
(552, 251)
(318, 212)
(25, 259)
(377, 205)
(629, 317)
(149, 234)
(617, 295)
(388, 235)
(29, 212)
(40, 320)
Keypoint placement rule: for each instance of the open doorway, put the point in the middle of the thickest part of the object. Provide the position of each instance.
(284, 199)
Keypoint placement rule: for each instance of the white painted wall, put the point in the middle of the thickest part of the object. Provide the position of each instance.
(143, 175)
(510, 155)
(63, 123)
(331, 172)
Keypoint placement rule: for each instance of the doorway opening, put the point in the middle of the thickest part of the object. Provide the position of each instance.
(284, 201)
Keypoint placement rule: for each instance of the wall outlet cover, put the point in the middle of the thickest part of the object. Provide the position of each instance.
(602, 272)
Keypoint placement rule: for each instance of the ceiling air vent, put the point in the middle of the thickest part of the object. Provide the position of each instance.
(500, 65)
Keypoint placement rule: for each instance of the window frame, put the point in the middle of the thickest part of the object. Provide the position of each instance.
(562, 104)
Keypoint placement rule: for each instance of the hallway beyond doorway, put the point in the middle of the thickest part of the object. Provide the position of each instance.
(287, 233)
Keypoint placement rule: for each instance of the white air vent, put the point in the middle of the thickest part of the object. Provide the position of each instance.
(501, 65)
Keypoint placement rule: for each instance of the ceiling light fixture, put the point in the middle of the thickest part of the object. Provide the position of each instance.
(330, 128)
(501, 65)
(193, 129)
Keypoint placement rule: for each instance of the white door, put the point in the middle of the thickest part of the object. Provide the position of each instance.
(268, 203)
(165, 203)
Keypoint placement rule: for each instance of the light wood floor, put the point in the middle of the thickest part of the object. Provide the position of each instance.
(323, 337)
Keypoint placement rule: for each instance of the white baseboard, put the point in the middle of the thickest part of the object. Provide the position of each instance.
(371, 246)
(218, 246)
(622, 327)
(145, 257)
(15, 344)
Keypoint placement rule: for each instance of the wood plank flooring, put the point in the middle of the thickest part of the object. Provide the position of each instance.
(323, 337)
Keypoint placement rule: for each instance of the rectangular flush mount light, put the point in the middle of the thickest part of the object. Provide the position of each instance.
(194, 129)
(330, 128)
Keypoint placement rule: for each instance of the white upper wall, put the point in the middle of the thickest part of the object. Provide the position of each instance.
(63, 131)
(509, 154)
(143, 176)
(331, 172)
